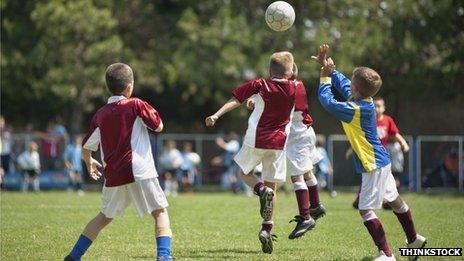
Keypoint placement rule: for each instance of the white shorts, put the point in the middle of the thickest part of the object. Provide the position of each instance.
(301, 151)
(377, 186)
(273, 161)
(146, 195)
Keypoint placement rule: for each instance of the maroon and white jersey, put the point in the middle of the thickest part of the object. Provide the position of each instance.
(301, 119)
(269, 123)
(120, 130)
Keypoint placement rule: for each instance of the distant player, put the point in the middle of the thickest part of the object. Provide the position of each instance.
(358, 119)
(301, 155)
(387, 130)
(29, 162)
(120, 130)
(265, 138)
(73, 162)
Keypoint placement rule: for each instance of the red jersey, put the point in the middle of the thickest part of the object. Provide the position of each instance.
(120, 130)
(386, 127)
(301, 118)
(269, 123)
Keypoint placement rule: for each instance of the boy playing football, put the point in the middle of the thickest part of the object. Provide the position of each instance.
(265, 138)
(301, 155)
(120, 130)
(386, 129)
(358, 119)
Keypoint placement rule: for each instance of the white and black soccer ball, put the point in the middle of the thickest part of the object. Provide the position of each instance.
(280, 16)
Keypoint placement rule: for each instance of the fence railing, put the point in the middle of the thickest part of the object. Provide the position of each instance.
(430, 157)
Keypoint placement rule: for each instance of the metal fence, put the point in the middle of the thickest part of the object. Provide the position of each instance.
(427, 158)
(431, 160)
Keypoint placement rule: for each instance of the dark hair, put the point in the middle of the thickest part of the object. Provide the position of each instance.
(118, 76)
(379, 98)
(367, 81)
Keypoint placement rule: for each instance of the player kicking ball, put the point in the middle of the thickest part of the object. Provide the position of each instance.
(301, 155)
(265, 138)
(120, 129)
(358, 119)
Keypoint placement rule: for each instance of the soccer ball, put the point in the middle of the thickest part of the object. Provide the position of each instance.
(280, 16)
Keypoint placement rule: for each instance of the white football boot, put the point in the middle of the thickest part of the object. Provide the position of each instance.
(383, 257)
(418, 243)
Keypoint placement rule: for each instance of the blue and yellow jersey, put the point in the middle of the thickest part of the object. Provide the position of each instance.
(358, 120)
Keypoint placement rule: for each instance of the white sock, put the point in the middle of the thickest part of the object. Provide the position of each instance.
(299, 185)
(369, 216)
(311, 182)
(403, 209)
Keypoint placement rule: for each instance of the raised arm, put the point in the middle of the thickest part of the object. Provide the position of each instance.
(240, 94)
(343, 111)
(342, 84)
(228, 106)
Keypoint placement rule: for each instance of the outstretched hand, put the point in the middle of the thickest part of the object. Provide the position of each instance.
(211, 120)
(328, 68)
(321, 57)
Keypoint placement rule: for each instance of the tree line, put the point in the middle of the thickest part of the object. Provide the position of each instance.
(188, 55)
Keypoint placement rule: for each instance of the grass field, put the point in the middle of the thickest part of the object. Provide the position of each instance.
(214, 226)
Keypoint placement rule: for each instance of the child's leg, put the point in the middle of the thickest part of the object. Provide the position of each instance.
(25, 184)
(36, 183)
(403, 213)
(269, 223)
(311, 182)
(90, 233)
(374, 226)
(302, 196)
(163, 232)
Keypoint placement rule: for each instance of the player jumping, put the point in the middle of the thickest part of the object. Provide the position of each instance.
(265, 138)
(358, 119)
(119, 129)
(301, 155)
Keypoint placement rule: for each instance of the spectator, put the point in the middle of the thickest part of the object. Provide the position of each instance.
(445, 174)
(170, 162)
(49, 148)
(189, 167)
(73, 162)
(324, 170)
(6, 145)
(397, 161)
(29, 162)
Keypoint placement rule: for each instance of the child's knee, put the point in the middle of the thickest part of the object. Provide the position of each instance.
(367, 215)
(297, 178)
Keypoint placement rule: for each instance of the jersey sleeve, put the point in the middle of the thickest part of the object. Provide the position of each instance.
(92, 139)
(343, 111)
(342, 84)
(246, 90)
(392, 128)
(148, 114)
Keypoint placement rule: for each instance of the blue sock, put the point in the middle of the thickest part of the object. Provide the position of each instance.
(163, 246)
(82, 244)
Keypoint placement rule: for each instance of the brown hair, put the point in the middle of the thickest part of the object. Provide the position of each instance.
(367, 81)
(281, 64)
(118, 76)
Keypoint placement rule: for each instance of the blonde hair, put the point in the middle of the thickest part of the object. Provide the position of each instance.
(33, 146)
(281, 65)
(367, 81)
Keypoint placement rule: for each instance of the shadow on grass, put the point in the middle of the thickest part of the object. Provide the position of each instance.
(367, 258)
(219, 253)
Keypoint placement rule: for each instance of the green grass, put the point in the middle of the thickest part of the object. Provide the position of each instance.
(214, 226)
